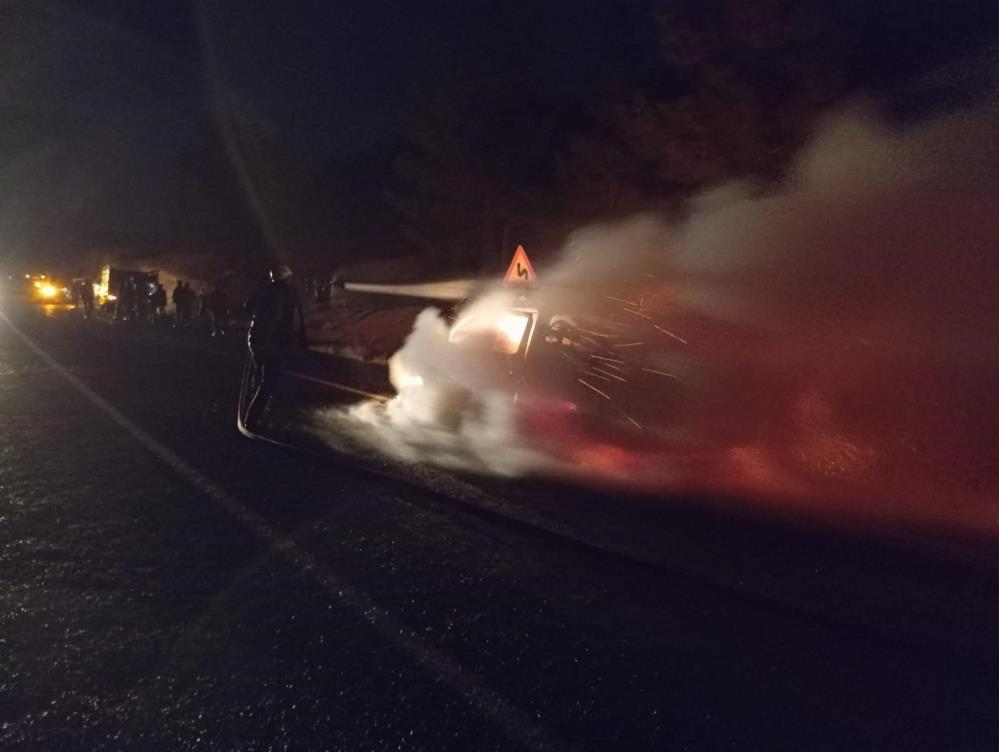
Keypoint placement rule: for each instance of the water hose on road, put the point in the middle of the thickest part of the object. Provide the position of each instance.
(245, 395)
(454, 290)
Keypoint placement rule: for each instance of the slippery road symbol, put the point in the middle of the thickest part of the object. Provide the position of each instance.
(520, 269)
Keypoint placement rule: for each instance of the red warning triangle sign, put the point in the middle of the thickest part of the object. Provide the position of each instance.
(520, 268)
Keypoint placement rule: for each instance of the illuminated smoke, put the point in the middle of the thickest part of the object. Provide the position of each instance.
(452, 408)
(835, 338)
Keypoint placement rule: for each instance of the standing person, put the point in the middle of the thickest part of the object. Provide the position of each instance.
(277, 323)
(217, 306)
(87, 297)
(158, 300)
(124, 311)
(132, 308)
(187, 301)
(177, 296)
(143, 306)
(324, 291)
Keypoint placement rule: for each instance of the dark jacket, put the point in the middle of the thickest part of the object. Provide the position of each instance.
(277, 317)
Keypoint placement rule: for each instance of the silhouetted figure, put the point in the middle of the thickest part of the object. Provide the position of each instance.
(277, 325)
(143, 306)
(177, 297)
(217, 307)
(158, 300)
(125, 310)
(183, 300)
(324, 290)
(188, 301)
(87, 297)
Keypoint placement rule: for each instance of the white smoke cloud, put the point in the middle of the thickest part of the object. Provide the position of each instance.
(452, 407)
(834, 336)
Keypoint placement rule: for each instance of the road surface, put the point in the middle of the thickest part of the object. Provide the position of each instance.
(170, 585)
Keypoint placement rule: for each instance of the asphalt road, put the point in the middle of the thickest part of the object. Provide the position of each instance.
(168, 584)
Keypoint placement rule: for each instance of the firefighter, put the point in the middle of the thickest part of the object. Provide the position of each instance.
(277, 325)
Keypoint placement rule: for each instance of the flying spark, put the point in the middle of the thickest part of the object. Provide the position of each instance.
(602, 394)
(640, 315)
(667, 331)
(595, 334)
(618, 300)
(608, 373)
(660, 373)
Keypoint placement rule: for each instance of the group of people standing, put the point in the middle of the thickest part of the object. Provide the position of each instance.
(277, 324)
(212, 307)
(146, 302)
(184, 301)
(141, 301)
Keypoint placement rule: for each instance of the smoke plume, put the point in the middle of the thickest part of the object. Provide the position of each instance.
(835, 337)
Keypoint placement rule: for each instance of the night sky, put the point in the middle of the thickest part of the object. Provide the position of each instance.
(101, 100)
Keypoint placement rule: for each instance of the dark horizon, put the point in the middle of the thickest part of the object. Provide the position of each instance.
(116, 137)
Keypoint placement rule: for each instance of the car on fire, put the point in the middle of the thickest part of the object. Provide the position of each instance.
(574, 367)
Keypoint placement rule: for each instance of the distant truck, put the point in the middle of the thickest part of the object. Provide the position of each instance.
(112, 278)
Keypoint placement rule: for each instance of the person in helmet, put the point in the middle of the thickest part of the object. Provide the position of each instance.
(277, 326)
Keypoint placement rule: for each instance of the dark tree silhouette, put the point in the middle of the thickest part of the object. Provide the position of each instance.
(468, 178)
(738, 86)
